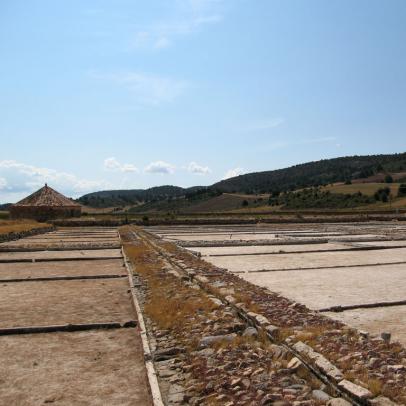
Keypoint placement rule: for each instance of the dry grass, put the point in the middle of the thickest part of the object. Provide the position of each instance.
(392, 393)
(310, 334)
(366, 188)
(18, 226)
(284, 333)
(170, 304)
(372, 384)
(248, 342)
(169, 247)
(248, 302)
(375, 386)
(170, 313)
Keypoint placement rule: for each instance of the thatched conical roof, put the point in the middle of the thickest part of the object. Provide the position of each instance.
(46, 196)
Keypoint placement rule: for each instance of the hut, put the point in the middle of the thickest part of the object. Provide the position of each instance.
(45, 204)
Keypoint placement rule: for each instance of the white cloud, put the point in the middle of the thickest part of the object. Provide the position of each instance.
(162, 42)
(294, 143)
(20, 179)
(141, 39)
(266, 124)
(191, 16)
(160, 167)
(193, 167)
(111, 164)
(146, 88)
(320, 140)
(233, 173)
(3, 183)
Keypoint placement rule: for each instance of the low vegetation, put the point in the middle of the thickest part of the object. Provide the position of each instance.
(320, 199)
(319, 173)
(162, 287)
(18, 226)
(383, 195)
(349, 172)
(402, 190)
(123, 198)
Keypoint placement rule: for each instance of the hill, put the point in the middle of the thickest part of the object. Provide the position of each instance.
(315, 173)
(330, 173)
(122, 198)
(206, 203)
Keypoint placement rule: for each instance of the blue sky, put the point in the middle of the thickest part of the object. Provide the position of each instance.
(98, 94)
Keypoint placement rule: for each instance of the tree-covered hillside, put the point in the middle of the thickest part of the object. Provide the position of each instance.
(122, 198)
(314, 174)
(302, 176)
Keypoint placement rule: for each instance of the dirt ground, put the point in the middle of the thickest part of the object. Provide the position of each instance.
(376, 321)
(220, 237)
(62, 302)
(268, 249)
(77, 254)
(49, 269)
(97, 368)
(383, 243)
(322, 288)
(309, 260)
(334, 278)
(59, 238)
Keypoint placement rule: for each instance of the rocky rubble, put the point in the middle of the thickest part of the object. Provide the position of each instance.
(56, 246)
(373, 369)
(245, 243)
(23, 234)
(208, 355)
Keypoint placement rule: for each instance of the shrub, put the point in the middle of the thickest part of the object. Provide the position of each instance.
(402, 190)
(382, 194)
(388, 179)
(316, 198)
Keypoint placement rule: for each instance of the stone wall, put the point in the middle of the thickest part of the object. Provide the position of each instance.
(44, 213)
(22, 234)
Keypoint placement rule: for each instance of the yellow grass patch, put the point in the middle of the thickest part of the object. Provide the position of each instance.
(368, 189)
(18, 226)
(170, 304)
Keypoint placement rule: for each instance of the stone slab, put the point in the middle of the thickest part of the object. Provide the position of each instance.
(310, 260)
(337, 286)
(78, 254)
(63, 302)
(60, 268)
(92, 368)
(376, 321)
(269, 249)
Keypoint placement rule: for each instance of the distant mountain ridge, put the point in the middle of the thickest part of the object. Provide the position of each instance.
(110, 198)
(309, 174)
(5, 206)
